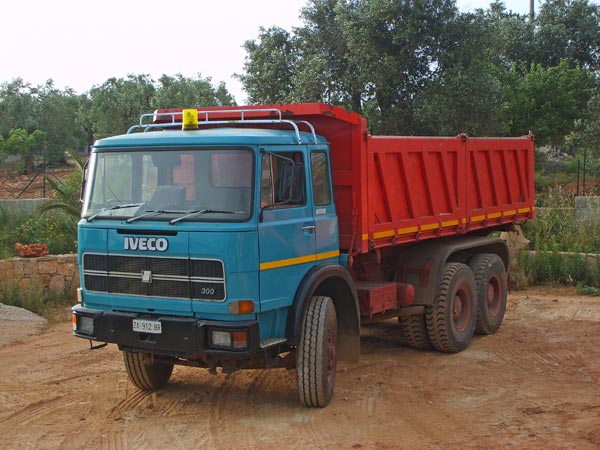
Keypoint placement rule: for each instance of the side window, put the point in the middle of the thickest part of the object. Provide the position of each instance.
(266, 182)
(320, 178)
(282, 180)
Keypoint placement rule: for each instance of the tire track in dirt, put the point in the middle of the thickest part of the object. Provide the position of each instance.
(217, 423)
(131, 403)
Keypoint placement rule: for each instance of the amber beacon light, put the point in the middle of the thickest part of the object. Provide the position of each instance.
(190, 119)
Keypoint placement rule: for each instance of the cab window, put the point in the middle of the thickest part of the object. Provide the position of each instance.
(282, 180)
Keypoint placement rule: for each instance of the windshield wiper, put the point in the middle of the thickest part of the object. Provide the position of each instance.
(154, 212)
(126, 205)
(200, 212)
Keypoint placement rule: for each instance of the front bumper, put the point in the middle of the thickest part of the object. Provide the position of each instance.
(180, 336)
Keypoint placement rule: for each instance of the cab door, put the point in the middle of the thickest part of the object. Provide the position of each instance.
(286, 229)
(323, 207)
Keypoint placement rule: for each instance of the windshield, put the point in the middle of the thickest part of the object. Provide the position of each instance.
(200, 184)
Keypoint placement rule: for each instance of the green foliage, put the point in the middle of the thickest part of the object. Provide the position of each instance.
(587, 130)
(274, 57)
(561, 245)
(33, 296)
(555, 222)
(181, 92)
(67, 193)
(424, 68)
(568, 29)
(118, 103)
(21, 143)
(10, 219)
(548, 101)
(57, 230)
(549, 266)
(44, 109)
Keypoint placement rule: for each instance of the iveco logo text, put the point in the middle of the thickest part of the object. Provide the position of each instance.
(149, 244)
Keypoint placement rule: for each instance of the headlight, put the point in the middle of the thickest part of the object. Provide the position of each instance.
(237, 340)
(84, 325)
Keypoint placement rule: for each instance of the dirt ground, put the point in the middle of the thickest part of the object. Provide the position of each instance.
(14, 186)
(534, 384)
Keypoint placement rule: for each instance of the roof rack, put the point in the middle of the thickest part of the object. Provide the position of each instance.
(174, 119)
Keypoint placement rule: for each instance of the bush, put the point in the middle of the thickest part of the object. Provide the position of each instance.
(549, 266)
(10, 220)
(555, 223)
(56, 229)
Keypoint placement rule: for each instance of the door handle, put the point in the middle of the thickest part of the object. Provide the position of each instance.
(309, 228)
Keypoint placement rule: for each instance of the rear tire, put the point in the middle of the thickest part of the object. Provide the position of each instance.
(316, 353)
(414, 331)
(492, 291)
(144, 372)
(451, 319)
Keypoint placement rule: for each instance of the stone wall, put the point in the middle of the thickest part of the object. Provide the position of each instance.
(60, 273)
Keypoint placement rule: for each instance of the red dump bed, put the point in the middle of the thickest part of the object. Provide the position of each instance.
(394, 190)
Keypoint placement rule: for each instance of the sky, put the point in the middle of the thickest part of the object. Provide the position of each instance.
(80, 43)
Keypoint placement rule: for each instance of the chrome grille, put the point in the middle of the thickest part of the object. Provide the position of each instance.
(183, 278)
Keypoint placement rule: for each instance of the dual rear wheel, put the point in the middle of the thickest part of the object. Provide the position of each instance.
(470, 299)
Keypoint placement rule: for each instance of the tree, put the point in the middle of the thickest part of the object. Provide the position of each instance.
(269, 67)
(17, 107)
(181, 92)
(26, 145)
(117, 104)
(587, 130)
(58, 115)
(568, 30)
(324, 70)
(548, 101)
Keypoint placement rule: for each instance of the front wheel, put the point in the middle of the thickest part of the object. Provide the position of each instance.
(316, 353)
(146, 373)
(451, 319)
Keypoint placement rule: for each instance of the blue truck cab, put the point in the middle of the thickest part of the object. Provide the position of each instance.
(215, 244)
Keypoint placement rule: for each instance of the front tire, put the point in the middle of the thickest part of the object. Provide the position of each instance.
(451, 319)
(492, 291)
(146, 373)
(316, 353)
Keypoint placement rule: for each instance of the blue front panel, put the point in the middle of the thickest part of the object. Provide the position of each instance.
(238, 250)
(135, 269)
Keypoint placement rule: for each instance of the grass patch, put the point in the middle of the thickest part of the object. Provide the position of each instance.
(35, 297)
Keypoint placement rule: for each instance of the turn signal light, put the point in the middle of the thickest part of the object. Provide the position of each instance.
(241, 307)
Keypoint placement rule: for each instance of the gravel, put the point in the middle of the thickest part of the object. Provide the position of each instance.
(14, 313)
(17, 323)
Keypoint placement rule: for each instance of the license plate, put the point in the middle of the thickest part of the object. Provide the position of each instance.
(147, 326)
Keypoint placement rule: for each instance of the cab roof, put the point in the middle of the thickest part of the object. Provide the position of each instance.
(210, 136)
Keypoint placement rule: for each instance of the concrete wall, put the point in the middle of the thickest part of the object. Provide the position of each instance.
(60, 273)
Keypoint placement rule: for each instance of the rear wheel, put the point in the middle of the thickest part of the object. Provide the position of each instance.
(146, 373)
(451, 319)
(414, 330)
(316, 353)
(490, 279)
